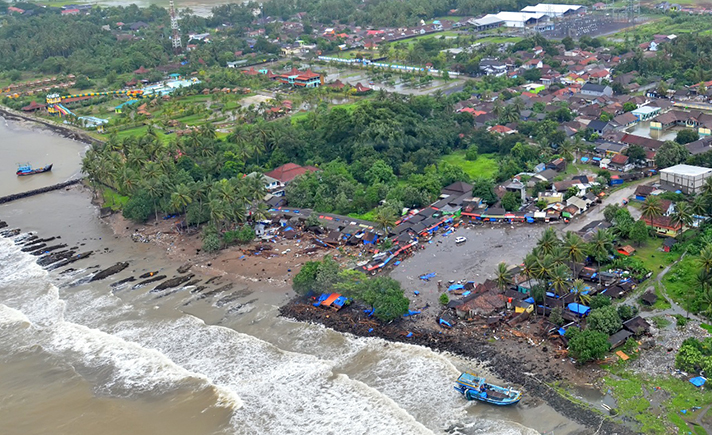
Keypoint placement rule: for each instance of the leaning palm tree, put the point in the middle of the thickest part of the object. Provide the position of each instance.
(503, 276)
(548, 241)
(699, 205)
(682, 215)
(651, 209)
(180, 198)
(575, 249)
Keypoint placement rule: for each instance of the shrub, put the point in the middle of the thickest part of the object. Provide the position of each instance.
(444, 299)
(587, 345)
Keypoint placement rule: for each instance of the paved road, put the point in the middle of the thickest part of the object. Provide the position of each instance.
(616, 197)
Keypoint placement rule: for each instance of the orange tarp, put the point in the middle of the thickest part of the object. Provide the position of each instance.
(330, 300)
(622, 355)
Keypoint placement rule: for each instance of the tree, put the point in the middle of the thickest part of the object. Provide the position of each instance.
(651, 209)
(568, 42)
(686, 136)
(627, 312)
(483, 188)
(705, 259)
(503, 276)
(386, 297)
(600, 246)
(556, 316)
(305, 281)
(636, 154)
(604, 320)
(587, 345)
(682, 215)
(444, 299)
(600, 301)
(511, 201)
(575, 249)
(139, 207)
(639, 233)
(548, 241)
(670, 153)
(629, 106)
(385, 217)
(472, 153)
(610, 211)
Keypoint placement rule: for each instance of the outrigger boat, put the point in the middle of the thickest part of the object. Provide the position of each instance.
(475, 388)
(27, 170)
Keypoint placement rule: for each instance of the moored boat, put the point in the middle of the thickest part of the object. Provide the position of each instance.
(27, 170)
(476, 388)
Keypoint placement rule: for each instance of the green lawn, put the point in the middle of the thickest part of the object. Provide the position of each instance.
(368, 216)
(654, 259)
(681, 279)
(655, 403)
(484, 166)
(499, 39)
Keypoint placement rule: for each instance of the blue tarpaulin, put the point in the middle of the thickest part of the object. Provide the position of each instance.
(466, 293)
(579, 309)
(698, 381)
(411, 313)
(529, 300)
(455, 287)
(562, 331)
(584, 159)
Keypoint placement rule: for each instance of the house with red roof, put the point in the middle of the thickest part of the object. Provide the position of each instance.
(502, 129)
(306, 79)
(289, 171)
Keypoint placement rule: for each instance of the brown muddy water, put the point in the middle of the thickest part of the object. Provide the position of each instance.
(80, 357)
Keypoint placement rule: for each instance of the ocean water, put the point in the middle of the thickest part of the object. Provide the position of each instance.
(80, 357)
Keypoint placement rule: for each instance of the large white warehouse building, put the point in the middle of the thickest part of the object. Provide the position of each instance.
(519, 19)
(555, 10)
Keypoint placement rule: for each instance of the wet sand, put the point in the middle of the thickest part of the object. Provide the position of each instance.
(475, 260)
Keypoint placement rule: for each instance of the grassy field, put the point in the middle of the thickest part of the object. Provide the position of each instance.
(368, 216)
(653, 258)
(681, 279)
(484, 166)
(499, 39)
(657, 403)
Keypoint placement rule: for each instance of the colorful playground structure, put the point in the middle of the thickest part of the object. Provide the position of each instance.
(54, 101)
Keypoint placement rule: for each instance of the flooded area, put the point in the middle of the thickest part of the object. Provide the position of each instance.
(643, 129)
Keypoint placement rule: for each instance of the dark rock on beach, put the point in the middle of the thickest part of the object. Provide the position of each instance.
(116, 268)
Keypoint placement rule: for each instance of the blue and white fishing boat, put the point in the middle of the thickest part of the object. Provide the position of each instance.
(475, 388)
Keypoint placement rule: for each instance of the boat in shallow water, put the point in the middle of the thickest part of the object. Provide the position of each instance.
(23, 170)
(476, 388)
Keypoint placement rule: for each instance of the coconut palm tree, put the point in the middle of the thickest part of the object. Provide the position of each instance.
(651, 209)
(560, 280)
(578, 288)
(385, 218)
(707, 189)
(705, 259)
(529, 268)
(548, 241)
(180, 198)
(682, 215)
(699, 205)
(600, 246)
(544, 267)
(503, 276)
(575, 249)
(217, 213)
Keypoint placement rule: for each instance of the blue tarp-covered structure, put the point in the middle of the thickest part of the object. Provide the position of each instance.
(578, 309)
(698, 381)
(455, 287)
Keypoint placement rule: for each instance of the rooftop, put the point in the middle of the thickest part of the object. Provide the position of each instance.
(686, 170)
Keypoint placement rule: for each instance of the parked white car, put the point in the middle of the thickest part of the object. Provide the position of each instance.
(460, 240)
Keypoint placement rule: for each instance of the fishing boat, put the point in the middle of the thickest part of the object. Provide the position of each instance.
(476, 388)
(27, 170)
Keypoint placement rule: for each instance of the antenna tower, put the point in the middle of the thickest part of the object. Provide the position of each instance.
(175, 38)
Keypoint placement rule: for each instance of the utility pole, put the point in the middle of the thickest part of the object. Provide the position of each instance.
(175, 38)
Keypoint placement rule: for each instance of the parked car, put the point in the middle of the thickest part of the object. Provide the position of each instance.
(460, 240)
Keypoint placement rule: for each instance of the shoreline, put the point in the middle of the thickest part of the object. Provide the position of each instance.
(67, 132)
(353, 321)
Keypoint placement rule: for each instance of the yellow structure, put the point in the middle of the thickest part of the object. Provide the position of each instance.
(52, 101)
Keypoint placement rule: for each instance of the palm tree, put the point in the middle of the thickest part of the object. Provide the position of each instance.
(529, 268)
(544, 267)
(707, 188)
(578, 288)
(560, 280)
(548, 241)
(682, 215)
(599, 247)
(705, 259)
(385, 218)
(180, 198)
(575, 249)
(651, 209)
(503, 276)
(699, 205)
(217, 213)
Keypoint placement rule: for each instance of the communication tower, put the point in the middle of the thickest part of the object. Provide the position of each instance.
(175, 38)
